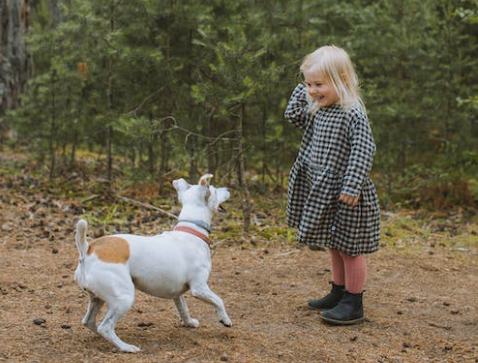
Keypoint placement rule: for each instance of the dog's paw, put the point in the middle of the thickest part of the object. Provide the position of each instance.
(192, 323)
(91, 326)
(129, 348)
(226, 322)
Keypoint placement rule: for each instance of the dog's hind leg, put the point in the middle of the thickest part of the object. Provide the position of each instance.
(116, 309)
(94, 307)
(204, 293)
(119, 295)
(183, 311)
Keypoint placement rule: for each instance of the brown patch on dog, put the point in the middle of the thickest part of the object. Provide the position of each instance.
(110, 249)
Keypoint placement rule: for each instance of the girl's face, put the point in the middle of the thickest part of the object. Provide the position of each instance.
(319, 90)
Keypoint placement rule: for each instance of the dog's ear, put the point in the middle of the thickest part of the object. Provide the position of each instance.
(204, 180)
(181, 185)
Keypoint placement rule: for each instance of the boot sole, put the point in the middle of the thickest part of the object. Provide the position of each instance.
(342, 322)
(314, 308)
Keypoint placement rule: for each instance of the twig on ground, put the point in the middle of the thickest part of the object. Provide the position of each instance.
(440, 326)
(220, 242)
(286, 254)
(146, 205)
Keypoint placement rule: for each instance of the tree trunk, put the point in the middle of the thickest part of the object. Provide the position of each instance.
(15, 62)
(73, 150)
(109, 128)
(246, 208)
(192, 149)
(264, 147)
(151, 143)
(211, 150)
(163, 163)
(163, 138)
(52, 137)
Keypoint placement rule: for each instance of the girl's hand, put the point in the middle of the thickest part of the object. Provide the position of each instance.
(349, 200)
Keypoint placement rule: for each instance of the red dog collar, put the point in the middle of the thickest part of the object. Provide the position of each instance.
(194, 232)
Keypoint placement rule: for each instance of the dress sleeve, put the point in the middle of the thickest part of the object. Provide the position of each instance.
(296, 111)
(361, 154)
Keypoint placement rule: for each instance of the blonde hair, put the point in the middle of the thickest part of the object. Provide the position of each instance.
(334, 64)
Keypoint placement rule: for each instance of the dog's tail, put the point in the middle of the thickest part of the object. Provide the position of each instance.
(81, 241)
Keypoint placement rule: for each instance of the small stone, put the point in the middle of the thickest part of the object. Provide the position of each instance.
(54, 251)
(7, 227)
(224, 358)
(354, 338)
(39, 321)
(412, 299)
(455, 312)
(66, 326)
(145, 325)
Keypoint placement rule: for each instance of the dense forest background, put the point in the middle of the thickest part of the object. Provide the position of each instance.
(154, 88)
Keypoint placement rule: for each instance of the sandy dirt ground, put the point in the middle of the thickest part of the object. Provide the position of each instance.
(420, 303)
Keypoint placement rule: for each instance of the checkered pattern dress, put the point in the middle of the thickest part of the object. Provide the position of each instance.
(335, 157)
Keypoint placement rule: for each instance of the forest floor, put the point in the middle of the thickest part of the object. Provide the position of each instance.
(420, 299)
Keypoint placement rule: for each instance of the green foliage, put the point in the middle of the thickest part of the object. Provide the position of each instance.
(178, 72)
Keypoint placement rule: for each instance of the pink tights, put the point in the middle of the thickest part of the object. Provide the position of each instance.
(350, 271)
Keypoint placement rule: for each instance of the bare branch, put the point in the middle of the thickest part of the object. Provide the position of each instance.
(146, 205)
(144, 101)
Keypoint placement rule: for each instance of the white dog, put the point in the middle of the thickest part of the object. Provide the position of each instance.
(165, 265)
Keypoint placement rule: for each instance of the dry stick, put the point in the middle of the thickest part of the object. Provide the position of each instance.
(146, 205)
(440, 326)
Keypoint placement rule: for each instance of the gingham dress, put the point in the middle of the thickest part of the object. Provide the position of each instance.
(335, 157)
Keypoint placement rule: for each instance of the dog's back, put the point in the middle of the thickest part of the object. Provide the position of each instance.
(162, 265)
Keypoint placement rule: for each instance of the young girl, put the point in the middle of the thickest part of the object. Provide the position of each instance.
(331, 199)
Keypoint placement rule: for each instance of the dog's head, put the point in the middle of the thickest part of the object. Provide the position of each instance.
(201, 194)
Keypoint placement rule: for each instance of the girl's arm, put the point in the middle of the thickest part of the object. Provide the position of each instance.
(361, 154)
(296, 111)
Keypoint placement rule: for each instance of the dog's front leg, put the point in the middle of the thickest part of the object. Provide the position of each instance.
(183, 311)
(204, 293)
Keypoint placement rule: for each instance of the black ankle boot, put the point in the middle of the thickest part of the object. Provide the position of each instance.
(348, 311)
(329, 301)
